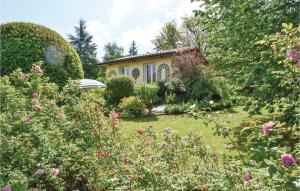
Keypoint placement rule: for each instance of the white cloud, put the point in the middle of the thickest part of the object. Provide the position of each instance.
(119, 10)
(100, 32)
(142, 36)
(154, 4)
(183, 9)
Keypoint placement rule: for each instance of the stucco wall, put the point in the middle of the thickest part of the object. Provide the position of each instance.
(139, 64)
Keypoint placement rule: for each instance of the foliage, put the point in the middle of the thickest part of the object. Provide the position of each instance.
(112, 51)
(148, 94)
(82, 41)
(23, 44)
(118, 88)
(133, 49)
(233, 29)
(198, 79)
(187, 34)
(169, 37)
(176, 108)
(132, 106)
(271, 145)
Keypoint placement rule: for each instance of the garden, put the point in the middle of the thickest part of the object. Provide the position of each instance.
(230, 125)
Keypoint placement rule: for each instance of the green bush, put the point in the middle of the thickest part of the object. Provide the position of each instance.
(132, 106)
(148, 94)
(176, 108)
(118, 88)
(23, 44)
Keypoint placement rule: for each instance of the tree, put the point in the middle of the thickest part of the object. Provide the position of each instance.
(82, 41)
(112, 51)
(169, 37)
(234, 28)
(189, 33)
(133, 49)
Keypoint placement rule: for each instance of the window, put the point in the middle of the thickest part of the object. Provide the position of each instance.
(149, 73)
(123, 70)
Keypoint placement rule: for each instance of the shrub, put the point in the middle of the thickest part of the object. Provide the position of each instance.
(118, 88)
(132, 105)
(26, 43)
(148, 94)
(176, 108)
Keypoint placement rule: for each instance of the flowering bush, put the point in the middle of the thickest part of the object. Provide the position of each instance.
(54, 140)
(268, 148)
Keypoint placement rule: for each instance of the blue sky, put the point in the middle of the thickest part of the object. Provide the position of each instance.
(108, 20)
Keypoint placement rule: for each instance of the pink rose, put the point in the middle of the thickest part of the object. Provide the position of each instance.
(248, 176)
(266, 129)
(292, 54)
(100, 154)
(38, 69)
(40, 171)
(35, 95)
(7, 188)
(37, 108)
(26, 76)
(54, 171)
(114, 117)
(125, 159)
(287, 159)
(29, 118)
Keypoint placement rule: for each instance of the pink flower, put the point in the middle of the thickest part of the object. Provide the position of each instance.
(26, 76)
(125, 159)
(29, 118)
(35, 95)
(292, 54)
(54, 171)
(114, 117)
(100, 154)
(287, 159)
(248, 176)
(40, 171)
(7, 188)
(266, 129)
(37, 108)
(38, 69)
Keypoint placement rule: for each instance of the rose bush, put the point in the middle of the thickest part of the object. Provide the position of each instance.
(53, 140)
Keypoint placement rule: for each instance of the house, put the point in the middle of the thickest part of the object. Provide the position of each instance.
(150, 67)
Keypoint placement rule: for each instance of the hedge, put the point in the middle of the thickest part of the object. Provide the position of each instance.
(23, 44)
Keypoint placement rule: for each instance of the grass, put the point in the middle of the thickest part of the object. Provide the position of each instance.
(183, 124)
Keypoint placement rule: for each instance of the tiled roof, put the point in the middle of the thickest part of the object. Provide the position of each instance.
(149, 55)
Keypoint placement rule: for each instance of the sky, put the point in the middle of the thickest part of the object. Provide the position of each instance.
(120, 21)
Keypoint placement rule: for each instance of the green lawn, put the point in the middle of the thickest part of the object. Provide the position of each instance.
(183, 124)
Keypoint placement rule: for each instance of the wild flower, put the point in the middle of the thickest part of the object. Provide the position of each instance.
(35, 95)
(248, 176)
(287, 159)
(37, 108)
(292, 54)
(26, 76)
(266, 129)
(38, 69)
(40, 171)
